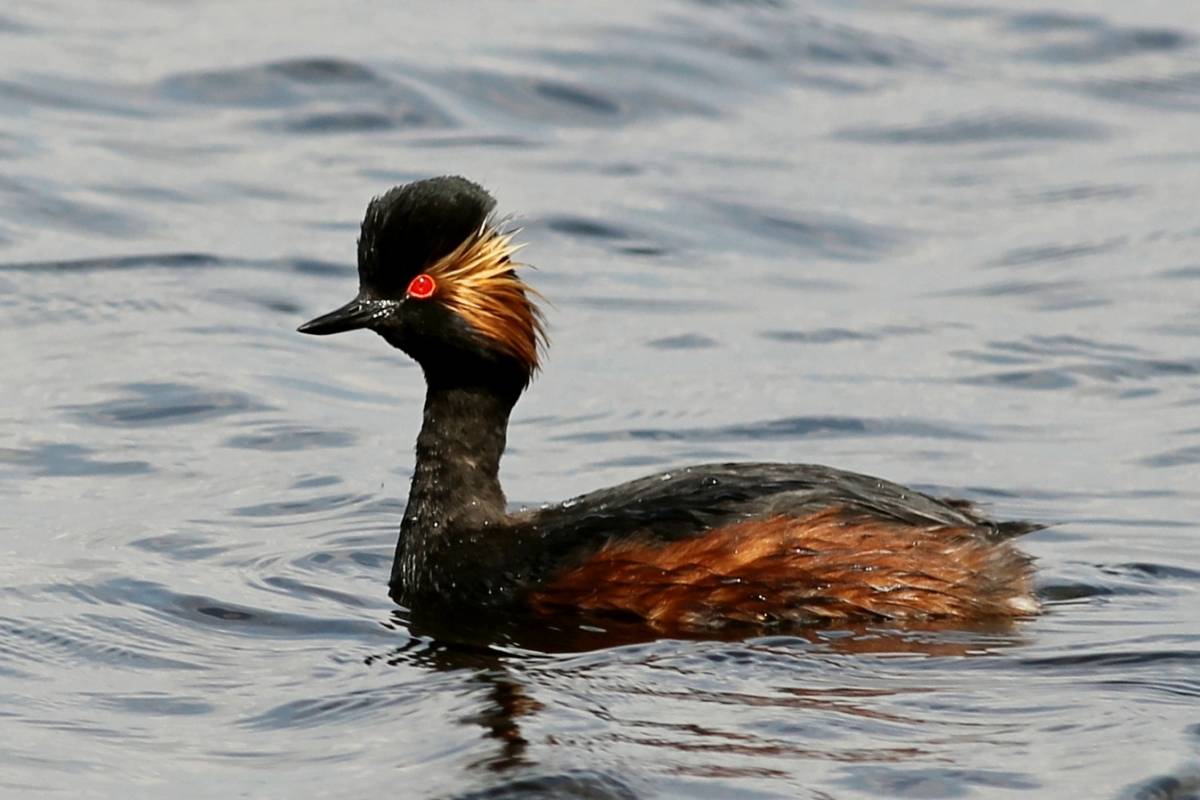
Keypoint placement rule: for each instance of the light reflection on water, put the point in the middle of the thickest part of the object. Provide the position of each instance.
(952, 244)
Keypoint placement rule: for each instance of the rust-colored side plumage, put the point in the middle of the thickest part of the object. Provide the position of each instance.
(478, 281)
(832, 565)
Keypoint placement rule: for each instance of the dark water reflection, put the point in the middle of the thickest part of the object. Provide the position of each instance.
(952, 243)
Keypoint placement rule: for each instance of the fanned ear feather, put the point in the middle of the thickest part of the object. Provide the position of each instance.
(478, 281)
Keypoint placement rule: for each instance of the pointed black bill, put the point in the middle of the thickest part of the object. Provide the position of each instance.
(358, 313)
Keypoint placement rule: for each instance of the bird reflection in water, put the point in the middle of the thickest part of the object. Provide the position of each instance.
(518, 665)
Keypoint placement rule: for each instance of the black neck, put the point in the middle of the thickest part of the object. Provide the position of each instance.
(455, 484)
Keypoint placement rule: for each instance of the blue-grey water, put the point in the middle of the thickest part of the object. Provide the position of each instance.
(955, 243)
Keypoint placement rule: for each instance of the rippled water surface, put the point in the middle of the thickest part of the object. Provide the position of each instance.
(952, 243)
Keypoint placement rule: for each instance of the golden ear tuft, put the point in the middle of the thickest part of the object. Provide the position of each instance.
(478, 281)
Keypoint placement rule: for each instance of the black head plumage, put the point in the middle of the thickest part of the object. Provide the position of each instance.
(414, 225)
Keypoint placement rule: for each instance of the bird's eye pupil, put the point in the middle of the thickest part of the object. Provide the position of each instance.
(421, 287)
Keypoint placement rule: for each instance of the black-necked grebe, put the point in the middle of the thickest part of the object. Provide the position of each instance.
(698, 547)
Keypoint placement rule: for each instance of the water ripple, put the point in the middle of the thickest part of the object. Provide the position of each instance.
(779, 429)
(1185, 785)
(153, 704)
(44, 204)
(283, 83)
(1176, 92)
(1057, 252)
(986, 128)
(200, 612)
(840, 238)
(1091, 40)
(355, 706)
(1178, 457)
(284, 437)
(50, 460)
(580, 784)
(76, 643)
(301, 90)
(154, 404)
(683, 341)
(1111, 370)
(157, 260)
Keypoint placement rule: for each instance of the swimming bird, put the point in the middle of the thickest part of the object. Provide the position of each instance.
(697, 548)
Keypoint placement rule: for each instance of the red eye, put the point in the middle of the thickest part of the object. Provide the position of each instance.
(421, 287)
